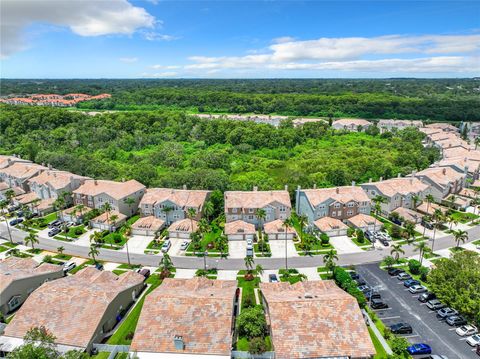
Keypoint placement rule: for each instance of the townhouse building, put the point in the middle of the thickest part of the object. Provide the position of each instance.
(389, 125)
(6, 161)
(172, 205)
(351, 124)
(442, 181)
(123, 197)
(243, 205)
(18, 174)
(53, 184)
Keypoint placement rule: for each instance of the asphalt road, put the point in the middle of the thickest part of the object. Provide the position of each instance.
(404, 307)
(227, 263)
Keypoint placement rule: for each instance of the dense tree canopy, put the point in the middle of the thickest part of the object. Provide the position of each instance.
(170, 149)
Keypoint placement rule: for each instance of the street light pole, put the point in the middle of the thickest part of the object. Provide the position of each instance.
(128, 254)
(205, 254)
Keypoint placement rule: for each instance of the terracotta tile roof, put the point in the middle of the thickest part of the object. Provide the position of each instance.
(277, 226)
(441, 175)
(181, 197)
(116, 190)
(429, 131)
(184, 225)
(431, 208)
(256, 199)
(403, 186)
(199, 310)
(71, 308)
(4, 186)
(149, 222)
(461, 162)
(315, 319)
(326, 224)
(13, 268)
(361, 220)
(443, 126)
(4, 160)
(108, 216)
(400, 123)
(239, 227)
(351, 122)
(439, 136)
(56, 179)
(461, 152)
(23, 170)
(467, 192)
(26, 198)
(45, 204)
(408, 214)
(343, 194)
(73, 210)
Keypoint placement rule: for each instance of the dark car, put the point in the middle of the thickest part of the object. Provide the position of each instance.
(99, 266)
(456, 320)
(478, 350)
(410, 282)
(372, 295)
(54, 224)
(378, 304)
(425, 297)
(272, 278)
(395, 271)
(370, 236)
(354, 275)
(16, 221)
(20, 214)
(401, 328)
(13, 208)
(427, 225)
(53, 232)
(360, 282)
(396, 221)
(417, 349)
(444, 313)
(144, 271)
(31, 215)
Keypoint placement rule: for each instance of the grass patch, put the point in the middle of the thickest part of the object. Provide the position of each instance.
(266, 250)
(291, 275)
(155, 244)
(62, 256)
(248, 290)
(81, 266)
(477, 242)
(9, 244)
(463, 217)
(35, 250)
(3, 249)
(126, 266)
(118, 271)
(381, 353)
(325, 276)
(101, 355)
(456, 249)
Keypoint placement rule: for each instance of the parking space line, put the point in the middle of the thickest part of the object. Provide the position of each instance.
(393, 317)
(382, 309)
(410, 336)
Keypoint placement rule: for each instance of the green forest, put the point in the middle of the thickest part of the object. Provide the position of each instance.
(171, 148)
(426, 99)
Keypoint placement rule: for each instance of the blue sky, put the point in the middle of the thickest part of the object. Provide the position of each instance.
(239, 39)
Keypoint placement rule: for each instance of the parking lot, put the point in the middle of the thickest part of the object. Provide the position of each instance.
(404, 307)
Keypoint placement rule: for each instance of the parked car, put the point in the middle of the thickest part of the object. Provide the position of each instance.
(20, 214)
(370, 236)
(383, 241)
(184, 245)
(417, 288)
(99, 266)
(272, 278)
(166, 246)
(16, 221)
(13, 208)
(69, 224)
(456, 320)
(474, 340)
(53, 232)
(410, 282)
(372, 295)
(401, 328)
(444, 313)
(425, 297)
(31, 215)
(364, 288)
(55, 223)
(378, 304)
(354, 275)
(420, 348)
(360, 281)
(427, 225)
(144, 271)
(395, 272)
(478, 350)
(384, 235)
(404, 276)
(67, 267)
(435, 304)
(466, 330)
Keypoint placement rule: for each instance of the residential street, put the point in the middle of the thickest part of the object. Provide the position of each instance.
(228, 263)
(404, 307)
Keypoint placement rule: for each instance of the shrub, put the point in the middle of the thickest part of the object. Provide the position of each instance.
(396, 231)
(247, 302)
(251, 322)
(257, 346)
(129, 336)
(350, 232)
(360, 236)
(78, 231)
(414, 266)
(399, 345)
(423, 271)
(324, 239)
(47, 259)
(117, 238)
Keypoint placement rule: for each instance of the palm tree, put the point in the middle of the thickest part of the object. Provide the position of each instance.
(378, 200)
(410, 230)
(191, 214)
(165, 266)
(31, 239)
(167, 210)
(460, 236)
(426, 220)
(423, 248)
(451, 220)
(129, 201)
(107, 208)
(329, 259)
(477, 142)
(3, 207)
(112, 222)
(93, 252)
(208, 209)
(78, 210)
(96, 237)
(249, 262)
(258, 269)
(302, 221)
(9, 195)
(430, 199)
(261, 214)
(438, 220)
(415, 199)
(60, 250)
(396, 251)
(389, 261)
(287, 223)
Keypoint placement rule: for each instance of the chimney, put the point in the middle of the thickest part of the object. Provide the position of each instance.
(49, 166)
(314, 186)
(43, 164)
(9, 161)
(466, 170)
(337, 190)
(370, 180)
(444, 171)
(286, 187)
(399, 175)
(95, 182)
(414, 173)
(353, 183)
(123, 179)
(255, 188)
(184, 186)
(178, 342)
(381, 179)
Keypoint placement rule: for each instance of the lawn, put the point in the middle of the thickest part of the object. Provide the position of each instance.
(242, 344)
(291, 275)
(381, 353)
(73, 232)
(363, 244)
(42, 222)
(209, 273)
(126, 266)
(118, 271)
(207, 244)
(463, 217)
(248, 289)
(477, 242)
(81, 266)
(62, 256)
(3, 249)
(266, 252)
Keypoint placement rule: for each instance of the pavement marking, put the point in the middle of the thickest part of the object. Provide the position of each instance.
(382, 309)
(393, 317)
(410, 336)
(450, 329)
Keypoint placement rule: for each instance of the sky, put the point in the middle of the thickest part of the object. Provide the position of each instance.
(239, 39)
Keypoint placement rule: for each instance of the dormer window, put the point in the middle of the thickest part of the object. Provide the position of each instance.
(14, 302)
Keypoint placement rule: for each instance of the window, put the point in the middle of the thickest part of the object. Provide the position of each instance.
(250, 210)
(337, 205)
(334, 214)
(234, 210)
(351, 204)
(250, 217)
(14, 302)
(283, 209)
(349, 212)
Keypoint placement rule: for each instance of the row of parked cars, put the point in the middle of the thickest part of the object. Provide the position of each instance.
(57, 225)
(443, 313)
(382, 237)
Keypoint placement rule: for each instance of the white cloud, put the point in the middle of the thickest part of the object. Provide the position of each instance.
(283, 39)
(165, 67)
(155, 36)
(84, 18)
(160, 74)
(128, 60)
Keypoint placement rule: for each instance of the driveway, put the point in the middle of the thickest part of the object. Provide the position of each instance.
(266, 273)
(185, 273)
(310, 272)
(277, 247)
(237, 249)
(175, 248)
(404, 306)
(227, 274)
(343, 244)
(137, 244)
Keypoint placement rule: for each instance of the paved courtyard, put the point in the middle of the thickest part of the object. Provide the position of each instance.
(237, 249)
(185, 273)
(343, 244)
(137, 244)
(277, 247)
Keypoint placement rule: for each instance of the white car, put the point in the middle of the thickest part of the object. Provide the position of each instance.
(184, 245)
(67, 267)
(249, 244)
(166, 246)
(466, 330)
(414, 289)
(474, 340)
